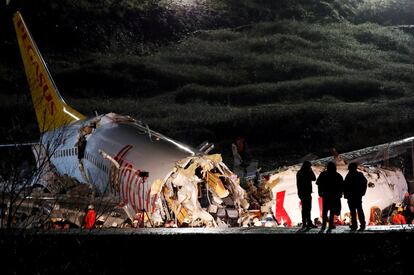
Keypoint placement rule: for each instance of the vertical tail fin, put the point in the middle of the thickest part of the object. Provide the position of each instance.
(51, 110)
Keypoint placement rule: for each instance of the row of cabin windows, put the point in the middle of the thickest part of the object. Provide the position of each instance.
(66, 152)
(97, 162)
(74, 152)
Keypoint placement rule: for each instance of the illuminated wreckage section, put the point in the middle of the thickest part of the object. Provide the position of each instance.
(200, 191)
(386, 186)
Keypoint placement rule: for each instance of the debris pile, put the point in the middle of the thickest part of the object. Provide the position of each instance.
(200, 191)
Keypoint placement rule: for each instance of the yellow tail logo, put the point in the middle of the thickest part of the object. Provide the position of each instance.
(51, 110)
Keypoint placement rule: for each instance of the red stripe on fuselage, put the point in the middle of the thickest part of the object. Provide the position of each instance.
(131, 179)
(134, 182)
(320, 201)
(139, 195)
(148, 199)
(280, 209)
(119, 157)
(133, 191)
(125, 181)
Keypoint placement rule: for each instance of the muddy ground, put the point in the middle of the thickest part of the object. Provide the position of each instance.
(189, 250)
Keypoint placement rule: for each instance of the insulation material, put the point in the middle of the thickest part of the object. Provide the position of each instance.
(216, 184)
(201, 192)
(156, 187)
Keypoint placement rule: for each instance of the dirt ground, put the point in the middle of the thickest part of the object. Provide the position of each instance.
(109, 252)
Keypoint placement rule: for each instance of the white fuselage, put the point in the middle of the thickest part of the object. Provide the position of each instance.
(385, 187)
(134, 147)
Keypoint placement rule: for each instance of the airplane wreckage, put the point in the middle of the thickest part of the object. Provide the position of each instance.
(191, 190)
(387, 185)
(155, 178)
(160, 181)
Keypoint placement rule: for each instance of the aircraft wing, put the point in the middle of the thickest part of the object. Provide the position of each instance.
(10, 145)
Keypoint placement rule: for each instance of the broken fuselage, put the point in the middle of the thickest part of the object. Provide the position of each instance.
(155, 178)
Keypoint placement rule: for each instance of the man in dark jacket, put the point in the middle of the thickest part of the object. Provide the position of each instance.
(304, 179)
(330, 188)
(354, 189)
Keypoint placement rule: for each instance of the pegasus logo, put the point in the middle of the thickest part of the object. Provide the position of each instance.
(35, 62)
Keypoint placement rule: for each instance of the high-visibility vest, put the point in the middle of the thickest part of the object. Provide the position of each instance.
(90, 219)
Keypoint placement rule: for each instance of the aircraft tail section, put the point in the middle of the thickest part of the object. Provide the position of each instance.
(51, 110)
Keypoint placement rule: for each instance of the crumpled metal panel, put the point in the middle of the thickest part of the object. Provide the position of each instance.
(181, 192)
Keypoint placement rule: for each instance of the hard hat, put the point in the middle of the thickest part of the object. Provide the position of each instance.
(400, 209)
(90, 206)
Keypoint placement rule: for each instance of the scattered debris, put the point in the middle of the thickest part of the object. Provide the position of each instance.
(200, 191)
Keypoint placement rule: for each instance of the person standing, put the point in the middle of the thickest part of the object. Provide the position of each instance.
(239, 150)
(304, 178)
(330, 188)
(398, 218)
(354, 189)
(241, 158)
(90, 217)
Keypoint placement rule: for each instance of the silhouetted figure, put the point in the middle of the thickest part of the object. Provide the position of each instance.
(330, 188)
(304, 178)
(355, 186)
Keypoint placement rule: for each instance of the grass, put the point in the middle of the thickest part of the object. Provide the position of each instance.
(273, 80)
(350, 85)
(317, 88)
(274, 131)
